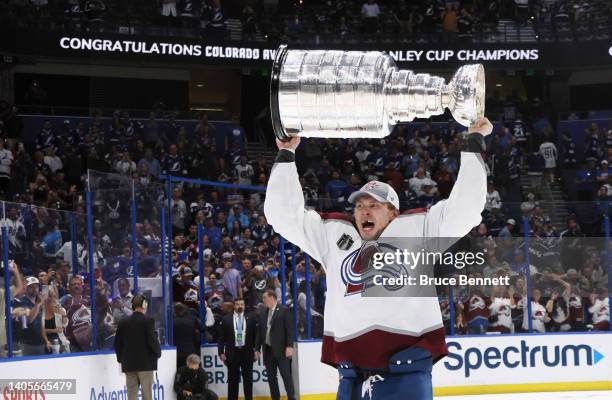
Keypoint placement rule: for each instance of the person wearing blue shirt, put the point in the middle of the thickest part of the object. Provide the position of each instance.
(214, 234)
(335, 188)
(51, 242)
(240, 215)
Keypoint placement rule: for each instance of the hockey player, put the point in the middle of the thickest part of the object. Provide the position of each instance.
(383, 347)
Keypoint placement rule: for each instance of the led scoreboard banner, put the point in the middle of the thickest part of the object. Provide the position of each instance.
(141, 49)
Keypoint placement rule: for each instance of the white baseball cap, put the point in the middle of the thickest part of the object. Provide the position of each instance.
(32, 281)
(380, 191)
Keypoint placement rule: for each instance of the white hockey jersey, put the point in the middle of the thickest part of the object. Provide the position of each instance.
(367, 331)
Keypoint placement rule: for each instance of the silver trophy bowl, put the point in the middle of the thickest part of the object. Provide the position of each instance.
(357, 94)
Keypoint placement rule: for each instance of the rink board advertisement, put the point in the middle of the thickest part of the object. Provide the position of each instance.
(96, 377)
(217, 375)
(493, 364)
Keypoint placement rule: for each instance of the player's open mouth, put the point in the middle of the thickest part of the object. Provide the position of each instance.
(367, 225)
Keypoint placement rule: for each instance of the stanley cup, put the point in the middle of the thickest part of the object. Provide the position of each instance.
(356, 94)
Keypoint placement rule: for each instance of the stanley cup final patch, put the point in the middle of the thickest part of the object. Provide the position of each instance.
(345, 242)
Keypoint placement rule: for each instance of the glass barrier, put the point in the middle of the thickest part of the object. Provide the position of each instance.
(150, 202)
(182, 241)
(50, 306)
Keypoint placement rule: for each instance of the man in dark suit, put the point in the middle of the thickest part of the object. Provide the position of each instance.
(137, 349)
(276, 334)
(237, 338)
(185, 333)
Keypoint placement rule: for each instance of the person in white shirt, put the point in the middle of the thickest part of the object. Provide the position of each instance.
(125, 165)
(179, 210)
(244, 171)
(169, 8)
(419, 180)
(600, 310)
(493, 198)
(502, 303)
(549, 152)
(6, 160)
(370, 12)
(362, 333)
(52, 160)
(539, 316)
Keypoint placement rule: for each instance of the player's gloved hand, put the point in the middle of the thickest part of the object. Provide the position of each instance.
(292, 144)
(482, 126)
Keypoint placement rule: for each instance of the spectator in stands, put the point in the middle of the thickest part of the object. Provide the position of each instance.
(184, 290)
(78, 311)
(238, 214)
(169, 8)
(549, 152)
(405, 18)
(493, 199)
(370, 13)
(335, 190)
(449, 20)
(216, 24)
(105, 326)
(464, 21)
(249, 22)
(500, 309)
(476, 313)
(244, 171)
(539, 316)
(179, 210)
(121, 305)
(29, 329)
(506, 231)
(125, 165)
(419, 180)
(600, 309)
(151, 163)
(558, 307)
(295, 27)
(6, 160)
(231, 279)
(255, 284)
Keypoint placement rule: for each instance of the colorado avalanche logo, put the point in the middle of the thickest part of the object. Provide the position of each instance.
(351, 273)
(357, 272)
(370, 185)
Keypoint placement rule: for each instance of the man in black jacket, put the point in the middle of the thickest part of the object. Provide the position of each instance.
(186, 333)
(237, 339)
(276, 333)
(190, 381)
(137, 349)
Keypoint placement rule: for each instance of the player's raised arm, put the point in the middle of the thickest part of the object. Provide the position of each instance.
(284, 205)
(457, 215)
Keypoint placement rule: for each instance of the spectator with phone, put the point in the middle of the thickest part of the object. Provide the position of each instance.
(29, 326)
